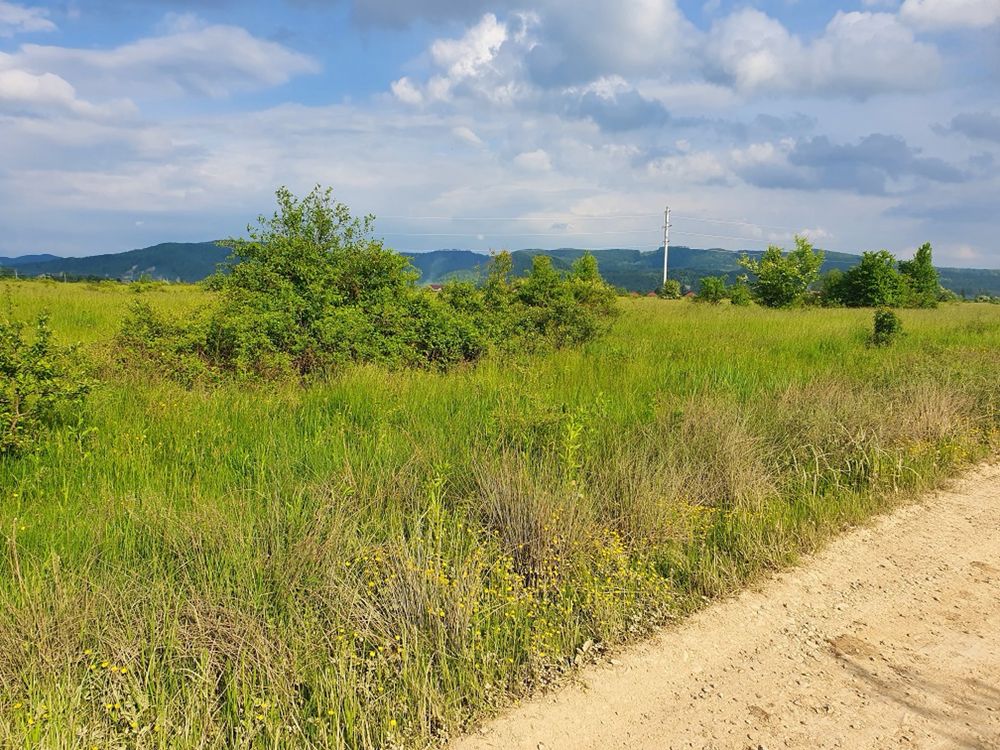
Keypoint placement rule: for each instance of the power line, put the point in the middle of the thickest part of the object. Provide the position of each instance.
(585, 217)
(723, 237)
(564, 217)
(735, 222)
(592, 217)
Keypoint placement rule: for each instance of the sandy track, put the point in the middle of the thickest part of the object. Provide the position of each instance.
(889, 638)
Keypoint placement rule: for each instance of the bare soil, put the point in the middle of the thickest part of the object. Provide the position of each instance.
(889, 638)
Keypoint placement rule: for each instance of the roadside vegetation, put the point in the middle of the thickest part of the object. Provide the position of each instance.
(285, 542)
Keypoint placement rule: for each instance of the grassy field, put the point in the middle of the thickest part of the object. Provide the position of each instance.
(376, 560)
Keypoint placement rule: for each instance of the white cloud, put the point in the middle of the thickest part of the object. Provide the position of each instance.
(858, 54)
(588, 39)
(468, 135)
(16, 19)
(213, 60)
(690, 168)
(544, 115)
(21, 91)
(950, 14)
(485, 63)
(533, 161)
(467, 56)
(405, 90)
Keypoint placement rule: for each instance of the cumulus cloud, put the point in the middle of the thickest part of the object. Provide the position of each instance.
(615, 106)
(18, 19)
(983, 126)
(951, 14)
(589, 39)
(582, 68)
(859, 54)
(572, 109)
(482, 63)
(23, 92)
(870, 166)
(190, 58)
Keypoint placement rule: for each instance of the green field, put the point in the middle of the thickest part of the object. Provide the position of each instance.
(380, 558)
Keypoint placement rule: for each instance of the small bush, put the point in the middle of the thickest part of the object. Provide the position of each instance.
(887, 328)
(713, 290)
(670, 289)
(740, 294)
(41, 385)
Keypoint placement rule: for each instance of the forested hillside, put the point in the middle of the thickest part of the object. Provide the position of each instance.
(633, 270)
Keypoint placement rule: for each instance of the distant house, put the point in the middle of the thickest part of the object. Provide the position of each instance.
(435, 287)
(690, 294)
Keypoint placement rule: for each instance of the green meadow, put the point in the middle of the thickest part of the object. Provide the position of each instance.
(379, 559)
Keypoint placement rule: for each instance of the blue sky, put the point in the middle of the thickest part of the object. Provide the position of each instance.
(496, 123)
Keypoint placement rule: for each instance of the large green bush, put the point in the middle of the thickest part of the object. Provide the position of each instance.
(41, 384)
(782, 279)
(310, 289)
(873, 282)
(877, 281)
(713, 289)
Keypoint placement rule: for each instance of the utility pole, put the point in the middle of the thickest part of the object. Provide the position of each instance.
(666, 243)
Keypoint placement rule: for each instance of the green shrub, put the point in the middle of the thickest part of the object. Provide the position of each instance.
(873, 282)
(887, 327)
(713, 290)
(670, 289)
(310, 289)
(41, 385)
(740, 294)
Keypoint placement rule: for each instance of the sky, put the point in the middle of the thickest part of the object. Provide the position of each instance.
(488, 124)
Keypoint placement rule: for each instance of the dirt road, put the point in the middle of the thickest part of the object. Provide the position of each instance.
(890, 638)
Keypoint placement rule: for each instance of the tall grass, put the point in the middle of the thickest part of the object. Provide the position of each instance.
(379, 559)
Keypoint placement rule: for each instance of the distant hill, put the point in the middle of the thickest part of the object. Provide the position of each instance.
(22, 260)
(173, 261)
(635, 270)
(438, 266)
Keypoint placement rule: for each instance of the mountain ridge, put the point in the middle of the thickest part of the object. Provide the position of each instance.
(633, 270)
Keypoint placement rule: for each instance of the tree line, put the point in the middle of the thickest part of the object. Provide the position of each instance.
(779, 279)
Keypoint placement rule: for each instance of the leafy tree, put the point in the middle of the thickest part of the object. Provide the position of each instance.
(922, 278)
(670, 289)
(41, 384)
(873, 282)
(782, 280)
(831, 287)
(713, 289)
